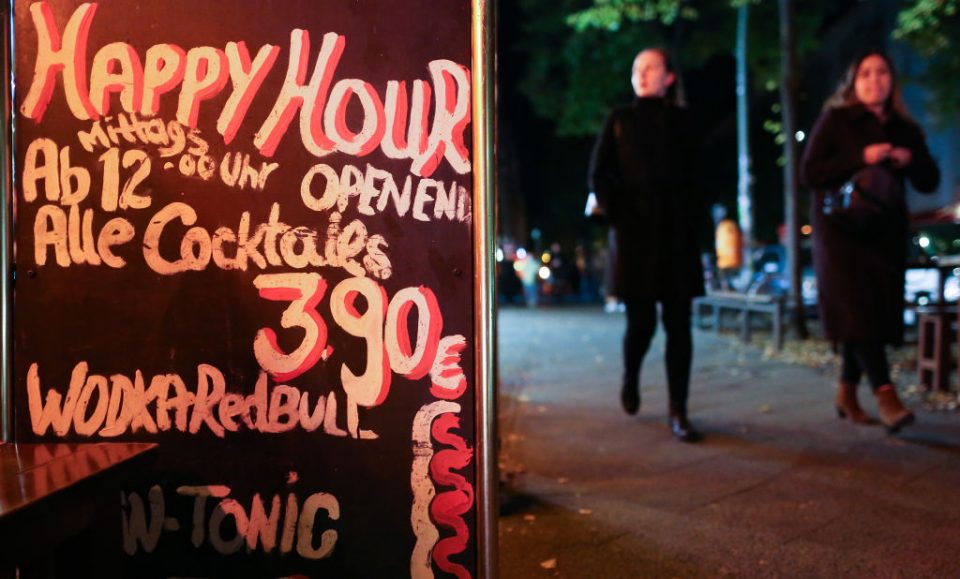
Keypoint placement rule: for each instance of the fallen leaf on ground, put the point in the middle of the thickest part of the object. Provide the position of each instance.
(549, 564)
(585, 512)
(563, 480)
(529, 517)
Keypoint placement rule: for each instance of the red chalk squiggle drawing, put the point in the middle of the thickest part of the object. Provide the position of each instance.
(449, 507)
(434, 467)
(424, 491)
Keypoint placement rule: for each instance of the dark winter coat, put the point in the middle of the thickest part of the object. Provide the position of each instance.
(642, 171)
(860, 276)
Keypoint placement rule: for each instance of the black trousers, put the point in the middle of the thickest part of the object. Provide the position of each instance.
(866, 356)
(641, 325)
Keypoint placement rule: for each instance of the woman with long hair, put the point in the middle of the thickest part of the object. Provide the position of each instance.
(865, 145)
(642, 170)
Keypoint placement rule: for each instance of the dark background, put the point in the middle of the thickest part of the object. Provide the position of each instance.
(543, 163)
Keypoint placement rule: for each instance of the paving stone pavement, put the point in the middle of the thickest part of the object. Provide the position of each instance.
(779, 487)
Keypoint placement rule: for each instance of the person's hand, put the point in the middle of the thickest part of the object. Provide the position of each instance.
(900, 157)
(876, 153)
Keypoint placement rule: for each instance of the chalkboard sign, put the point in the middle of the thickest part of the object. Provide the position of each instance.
(256, 232)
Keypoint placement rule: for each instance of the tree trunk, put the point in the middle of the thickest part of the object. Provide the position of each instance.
(791, 204)
(745, 180)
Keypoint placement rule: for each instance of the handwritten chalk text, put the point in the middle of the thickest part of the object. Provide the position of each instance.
(399, 126)
(270, 524)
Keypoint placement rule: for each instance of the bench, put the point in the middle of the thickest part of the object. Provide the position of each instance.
(746, 304)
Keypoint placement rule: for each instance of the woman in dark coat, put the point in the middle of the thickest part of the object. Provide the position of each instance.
(865, 134)
(641, 171)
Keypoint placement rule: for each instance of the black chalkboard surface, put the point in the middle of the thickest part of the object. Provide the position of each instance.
(244, 229)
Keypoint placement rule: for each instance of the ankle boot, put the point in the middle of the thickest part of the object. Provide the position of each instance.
(892, 412)
(848, 406)
(682, 429)
(630, 397)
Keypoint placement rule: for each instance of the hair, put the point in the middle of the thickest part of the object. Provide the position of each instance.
(675, 93)
(846, 94)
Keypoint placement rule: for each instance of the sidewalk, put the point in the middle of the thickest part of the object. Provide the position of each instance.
(779, 488)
